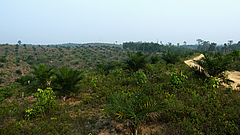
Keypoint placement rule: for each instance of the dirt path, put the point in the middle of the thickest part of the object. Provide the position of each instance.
(191, 62)
(232, 75)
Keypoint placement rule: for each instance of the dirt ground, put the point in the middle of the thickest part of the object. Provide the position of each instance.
(232, 75)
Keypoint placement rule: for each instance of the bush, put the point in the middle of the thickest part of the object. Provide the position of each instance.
(177, 79)
(3, 73)
(1, 80)
(140, 77)
(45, 103)
(19, 72)
(154, 59)
(8, 91)
(3, 59)
(75, 63)
(29, 82)
(104, 67)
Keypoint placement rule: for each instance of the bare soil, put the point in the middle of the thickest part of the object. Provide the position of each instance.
(232, 75)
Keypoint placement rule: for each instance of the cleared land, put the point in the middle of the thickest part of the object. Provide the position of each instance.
(232, 75)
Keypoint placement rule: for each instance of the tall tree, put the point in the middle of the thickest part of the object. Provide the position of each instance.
(230, 46)
(212, 47)
(199, 41)
(206, 45)
(185, 42)
(19, 42)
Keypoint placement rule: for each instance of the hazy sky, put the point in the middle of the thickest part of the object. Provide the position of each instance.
(81, 21)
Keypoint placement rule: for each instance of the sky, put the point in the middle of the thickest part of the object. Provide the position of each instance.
(85, 21)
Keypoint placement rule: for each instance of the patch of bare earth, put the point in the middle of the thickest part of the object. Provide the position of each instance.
(232, 75)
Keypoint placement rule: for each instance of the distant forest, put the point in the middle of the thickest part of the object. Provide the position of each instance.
(203, 46)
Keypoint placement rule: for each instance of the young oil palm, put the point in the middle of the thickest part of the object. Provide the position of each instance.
(136, 61)
(215, 66)
(133, 108)
(171, 58)
(43, 75)
(67, 79)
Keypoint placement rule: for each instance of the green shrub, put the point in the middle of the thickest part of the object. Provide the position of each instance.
(3, 73)
(3, 59)
(154, 59)
(19, 72)
(8, 91)
(1, 80)
(45, 103)
(177, 79)
(104, 67)
(140, 78)
(75, 63)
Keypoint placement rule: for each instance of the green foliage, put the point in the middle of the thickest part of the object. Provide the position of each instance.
(3, 73)
(93, 83)
(171, 58)
(75, 63)
(193, 105)
(45, 103)
(202, 114)
(155, 47)
(8, 91)
(36, 127)
(19, 72)
(133, 107)
(24, 80)
(154, 59)
(29, 83)
(104, 67)
(141, 77)
(212, 82)
(3, 59)
(215, 66)
(66, 80)
(177, 79)
(235, 54)
(136, 61)
(43, 75)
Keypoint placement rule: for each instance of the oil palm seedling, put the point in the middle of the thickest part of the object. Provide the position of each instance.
(43, 75)
(136, 61)
(215, 66)
(171, 58)
(66, 80)
(134, 108)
